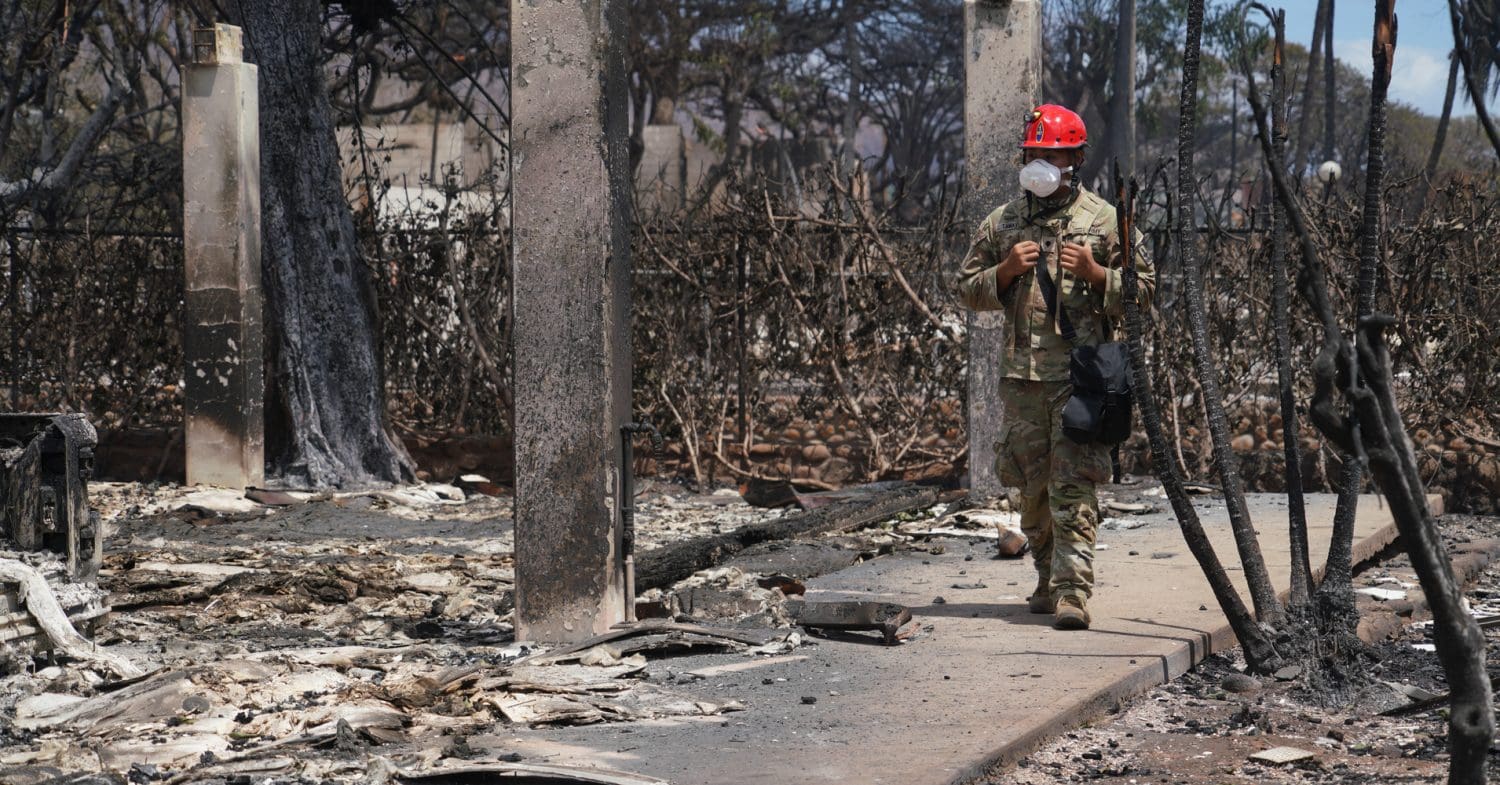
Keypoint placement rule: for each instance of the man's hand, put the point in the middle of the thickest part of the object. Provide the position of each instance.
(1022, 257)
(1079, 260)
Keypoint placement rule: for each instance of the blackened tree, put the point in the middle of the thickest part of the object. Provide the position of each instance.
(325, 411)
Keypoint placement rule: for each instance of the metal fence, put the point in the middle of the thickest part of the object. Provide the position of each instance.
(774, 340)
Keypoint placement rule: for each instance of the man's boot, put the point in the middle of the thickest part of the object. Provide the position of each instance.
(1040, 600)
(1072, 613)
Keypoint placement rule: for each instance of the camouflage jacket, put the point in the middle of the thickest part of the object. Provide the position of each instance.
(1034, 346)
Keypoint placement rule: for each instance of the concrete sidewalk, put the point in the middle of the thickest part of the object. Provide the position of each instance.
(977, 690)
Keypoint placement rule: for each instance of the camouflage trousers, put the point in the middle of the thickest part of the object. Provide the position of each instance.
(1055, 477)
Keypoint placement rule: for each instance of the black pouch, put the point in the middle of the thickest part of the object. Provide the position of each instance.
(1098, 411)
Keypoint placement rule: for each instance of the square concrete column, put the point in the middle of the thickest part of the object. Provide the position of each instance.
(1002, 82)
(223, 398)
(570, 186)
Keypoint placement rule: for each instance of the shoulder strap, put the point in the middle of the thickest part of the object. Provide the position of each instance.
(1085, 212)
(1049, 294)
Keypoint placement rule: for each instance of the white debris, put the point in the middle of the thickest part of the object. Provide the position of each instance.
(1383, 595)
(1280, 755)
(782, 645)
(220, 500)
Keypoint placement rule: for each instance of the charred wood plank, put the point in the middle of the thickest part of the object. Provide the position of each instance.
(667, 565)
(655, 629)
(798, 559)
(19, 629)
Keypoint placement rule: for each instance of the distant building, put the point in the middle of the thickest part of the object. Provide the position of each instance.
(420, 169)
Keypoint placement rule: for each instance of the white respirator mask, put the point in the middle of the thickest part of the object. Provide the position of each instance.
(1042, 178)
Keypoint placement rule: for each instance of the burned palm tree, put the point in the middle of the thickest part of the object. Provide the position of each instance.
(1330, 614)
(1301, 568)
(1260, 651)
(1262, 592)
(1469, 33)
(1320, 28)
(1371, 427)
(1255, 638)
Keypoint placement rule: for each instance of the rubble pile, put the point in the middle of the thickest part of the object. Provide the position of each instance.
(22, 636)
(368, 636)
(409, 703)
(326, 637)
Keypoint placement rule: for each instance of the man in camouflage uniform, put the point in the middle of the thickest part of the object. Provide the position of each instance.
(1076, 233)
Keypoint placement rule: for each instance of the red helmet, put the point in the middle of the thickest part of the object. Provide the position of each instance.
(1053, 127)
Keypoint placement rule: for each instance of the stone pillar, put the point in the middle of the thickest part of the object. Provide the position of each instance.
(570, 177)
(223, 399)
(1002, 82)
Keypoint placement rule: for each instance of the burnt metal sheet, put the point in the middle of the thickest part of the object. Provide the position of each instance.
(884, 617)
(46, 461)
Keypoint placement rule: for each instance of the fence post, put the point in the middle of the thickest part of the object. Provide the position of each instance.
(1002, 78)
(570, 169)
(224, 380)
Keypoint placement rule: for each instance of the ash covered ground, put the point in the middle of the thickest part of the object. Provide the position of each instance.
(348, 638)
(1205, 727)
(367, 638)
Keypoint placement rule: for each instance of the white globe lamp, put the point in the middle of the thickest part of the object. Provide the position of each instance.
(1329, 172)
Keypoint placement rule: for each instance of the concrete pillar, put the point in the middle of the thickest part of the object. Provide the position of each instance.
(1002, 82)
(570, 176)
(223, 399)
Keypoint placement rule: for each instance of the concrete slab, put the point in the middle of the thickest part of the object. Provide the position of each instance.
(985, 681)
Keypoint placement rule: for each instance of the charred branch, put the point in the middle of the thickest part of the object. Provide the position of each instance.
(1472, 80)
(1262, 592)
(665, 566)
(1259, 650)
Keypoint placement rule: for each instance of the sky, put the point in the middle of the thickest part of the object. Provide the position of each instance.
(1424, 37)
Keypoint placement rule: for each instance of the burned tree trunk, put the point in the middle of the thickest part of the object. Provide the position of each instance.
(1336, 592)
(1460, 642)
(848, 156)
(1262, 592)
(1382, 435)
(1301, 567)
(326, 399)
(1299, 152)
(1334, 608)
(1336, 595)
(1330, 93)
(1370, 218)
(1122, 103)
(1375, 430)
(1439, 138)
(1260, 652)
